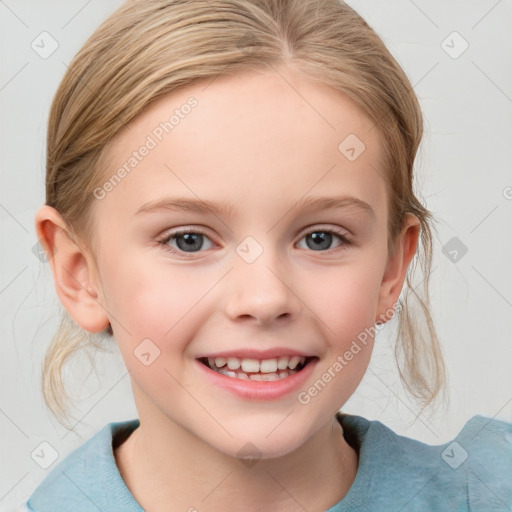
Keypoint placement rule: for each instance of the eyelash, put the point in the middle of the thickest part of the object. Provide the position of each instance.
(170, 236)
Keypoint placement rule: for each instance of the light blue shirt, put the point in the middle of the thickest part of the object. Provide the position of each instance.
(472, 473)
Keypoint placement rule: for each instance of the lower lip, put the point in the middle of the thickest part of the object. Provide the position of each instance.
(259, 390)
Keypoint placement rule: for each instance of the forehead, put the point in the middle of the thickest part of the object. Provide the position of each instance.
(248, 137)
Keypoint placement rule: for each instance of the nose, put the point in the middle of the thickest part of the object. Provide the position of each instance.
(261, 291)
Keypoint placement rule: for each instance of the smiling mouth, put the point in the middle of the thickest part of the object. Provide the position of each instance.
(257, 370)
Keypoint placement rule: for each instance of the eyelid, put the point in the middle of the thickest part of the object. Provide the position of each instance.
(185, 229)
(306, 231)
(344, 236)
(343, 233)
(169, 235)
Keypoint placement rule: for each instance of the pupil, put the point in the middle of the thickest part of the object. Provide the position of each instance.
(321, 240)
(192, 241)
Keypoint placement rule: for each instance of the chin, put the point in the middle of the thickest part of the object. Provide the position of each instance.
(261, 443)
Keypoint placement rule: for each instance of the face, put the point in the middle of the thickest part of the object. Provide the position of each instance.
(289, 258)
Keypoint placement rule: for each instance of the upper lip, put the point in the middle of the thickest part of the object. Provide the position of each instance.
(246, 353)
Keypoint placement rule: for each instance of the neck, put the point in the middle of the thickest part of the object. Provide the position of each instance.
(163, 464)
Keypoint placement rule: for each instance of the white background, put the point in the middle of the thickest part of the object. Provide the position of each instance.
(464, 169)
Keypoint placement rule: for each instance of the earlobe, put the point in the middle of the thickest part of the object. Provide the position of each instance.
(74, 272)
(396, 269)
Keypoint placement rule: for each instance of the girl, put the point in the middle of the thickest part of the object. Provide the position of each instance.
(230, 197)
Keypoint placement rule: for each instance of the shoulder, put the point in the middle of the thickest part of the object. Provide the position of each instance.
(484, 450)
(472, 472)
(88, 478)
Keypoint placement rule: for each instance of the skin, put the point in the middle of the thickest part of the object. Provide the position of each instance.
(261, 141)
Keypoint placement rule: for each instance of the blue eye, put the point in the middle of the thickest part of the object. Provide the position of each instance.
(321, 240)
(186, 241)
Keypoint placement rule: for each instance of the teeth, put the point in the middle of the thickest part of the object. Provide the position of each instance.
(268, 366)
(250, 365)
(294, 361)
(219, 362)
(256, 366)
(233, 363)
(282, 363)
(257, 376)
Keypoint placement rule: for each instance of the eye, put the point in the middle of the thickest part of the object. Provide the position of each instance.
(321, 239)
(186, 241)
(189, 241)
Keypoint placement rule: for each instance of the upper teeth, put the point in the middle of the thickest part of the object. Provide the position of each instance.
(255, 365)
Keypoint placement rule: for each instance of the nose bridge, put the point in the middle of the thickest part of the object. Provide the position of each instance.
(259, 287)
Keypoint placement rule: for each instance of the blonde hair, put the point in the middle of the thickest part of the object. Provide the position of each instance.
(148, 48)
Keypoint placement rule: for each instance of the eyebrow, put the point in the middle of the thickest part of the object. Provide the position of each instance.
(308, 204)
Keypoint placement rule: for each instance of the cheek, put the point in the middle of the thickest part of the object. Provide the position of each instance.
(151, 301)
(142, 286)
(345, 298)
(345, 303)
(154, 314)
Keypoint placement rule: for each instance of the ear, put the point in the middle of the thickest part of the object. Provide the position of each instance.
(396, 269)
(74, 271)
